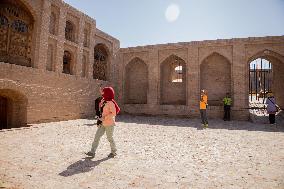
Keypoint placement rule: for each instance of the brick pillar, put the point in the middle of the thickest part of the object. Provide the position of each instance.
(44, 32)
(61, 40)
(153, 79)
(240, 84)
(91, 54)
(120, 84)
(114, 67)
(78, 63)
(193, 81)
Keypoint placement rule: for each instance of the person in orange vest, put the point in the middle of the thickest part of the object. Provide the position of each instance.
(203, 106)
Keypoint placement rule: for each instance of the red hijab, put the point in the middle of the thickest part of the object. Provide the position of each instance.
(108, 95)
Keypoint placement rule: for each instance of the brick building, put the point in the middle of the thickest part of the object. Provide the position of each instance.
(53, 58)
(171, 75)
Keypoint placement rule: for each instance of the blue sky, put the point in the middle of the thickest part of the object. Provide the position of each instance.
(143, 22)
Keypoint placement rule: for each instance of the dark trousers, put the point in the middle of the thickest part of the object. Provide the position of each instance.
(271, 118)
(227, 113)
(97, 108)
(203, 116)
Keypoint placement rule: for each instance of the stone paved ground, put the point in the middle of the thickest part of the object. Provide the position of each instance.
(154, 152)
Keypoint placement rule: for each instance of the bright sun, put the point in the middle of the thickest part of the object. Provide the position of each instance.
(172, 13)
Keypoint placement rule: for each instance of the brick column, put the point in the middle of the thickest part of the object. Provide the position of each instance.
(78, 63)
(153, 79)
(120, 85)
(240, 88)
(91, 54)
(113, 77)
(61, 40)
(193, 80)
(44, 32)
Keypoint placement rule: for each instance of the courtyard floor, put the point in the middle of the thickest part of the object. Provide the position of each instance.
(154, 152)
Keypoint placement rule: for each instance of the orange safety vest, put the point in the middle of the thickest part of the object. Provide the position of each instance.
(203, 102)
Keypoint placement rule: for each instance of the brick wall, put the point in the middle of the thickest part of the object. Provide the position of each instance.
(136, 82)
(225, 71)
(50, 96)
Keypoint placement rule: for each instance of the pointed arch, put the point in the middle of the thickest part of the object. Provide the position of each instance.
(215, 77)
(70, 31)
(52, 22)
(68, 62)
(50, 58)
(16, 33)
(276, 77)
(13, 109)
(173, 81)
(136, 82)
(101, 63)
(267, 54)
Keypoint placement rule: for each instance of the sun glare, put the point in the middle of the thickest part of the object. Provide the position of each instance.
(172, 13)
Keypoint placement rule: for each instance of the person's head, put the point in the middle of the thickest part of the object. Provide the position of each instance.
(227, 94)
(269, 94)
(108, 93)
(203, 92)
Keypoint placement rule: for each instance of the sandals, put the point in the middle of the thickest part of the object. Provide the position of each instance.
(112, 155)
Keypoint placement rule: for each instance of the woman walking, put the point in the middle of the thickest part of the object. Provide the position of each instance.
(109, 110)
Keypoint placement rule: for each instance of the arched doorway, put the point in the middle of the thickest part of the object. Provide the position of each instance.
(70, 31)
(215, 78)
(136, 82)
(100, 67)
(13, 109)
(266, 74)
(173, 81)
(16, 29)
(67, 58)
(3, 113)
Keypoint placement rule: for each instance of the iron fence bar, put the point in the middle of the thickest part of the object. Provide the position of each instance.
(255, 77)
(250, 84)
(264, 79)
(269, 75)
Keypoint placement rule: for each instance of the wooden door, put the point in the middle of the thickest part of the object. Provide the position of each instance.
(3, 113)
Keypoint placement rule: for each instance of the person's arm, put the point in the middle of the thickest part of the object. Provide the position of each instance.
(205, 99)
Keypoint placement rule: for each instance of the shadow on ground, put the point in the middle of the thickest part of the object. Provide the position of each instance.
(82, 166)
(195, 123)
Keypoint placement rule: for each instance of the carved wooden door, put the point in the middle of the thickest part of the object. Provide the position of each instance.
(16, 26)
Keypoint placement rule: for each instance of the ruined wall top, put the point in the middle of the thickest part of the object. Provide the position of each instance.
(217, 42)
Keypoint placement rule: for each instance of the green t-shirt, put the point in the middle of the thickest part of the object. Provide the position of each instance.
(227, 101)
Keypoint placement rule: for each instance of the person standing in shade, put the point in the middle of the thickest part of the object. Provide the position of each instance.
(109, 110)
(203, 106)
(271, 107)
(227, 101)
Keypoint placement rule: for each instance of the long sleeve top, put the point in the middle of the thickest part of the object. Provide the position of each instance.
(271, 107)
(109, 113)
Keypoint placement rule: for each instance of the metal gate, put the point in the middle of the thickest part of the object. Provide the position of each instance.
(260, 84)
(260, 81)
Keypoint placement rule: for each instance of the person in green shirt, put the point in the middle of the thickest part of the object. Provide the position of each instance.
(227, 101)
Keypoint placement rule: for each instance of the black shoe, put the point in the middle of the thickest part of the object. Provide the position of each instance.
(111, 155)
(90, 154)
